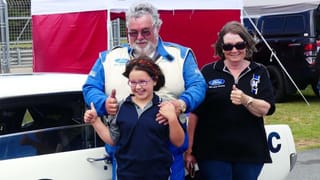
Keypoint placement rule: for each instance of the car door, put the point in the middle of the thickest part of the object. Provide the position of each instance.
(282, 150)
(44, 137)
(60, 166)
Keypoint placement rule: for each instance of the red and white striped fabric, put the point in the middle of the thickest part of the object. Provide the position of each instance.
(69, 34)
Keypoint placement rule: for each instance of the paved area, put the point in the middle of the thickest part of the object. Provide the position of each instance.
(307, 166)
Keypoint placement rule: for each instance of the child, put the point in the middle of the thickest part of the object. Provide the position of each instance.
(142, 142)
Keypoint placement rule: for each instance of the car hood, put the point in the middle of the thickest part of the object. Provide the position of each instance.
(39, 83)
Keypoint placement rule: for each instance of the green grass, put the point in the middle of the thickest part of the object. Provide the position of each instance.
(303, 119)
(21, 45)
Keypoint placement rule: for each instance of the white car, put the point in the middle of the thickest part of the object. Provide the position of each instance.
(43, 136)
(42, 133)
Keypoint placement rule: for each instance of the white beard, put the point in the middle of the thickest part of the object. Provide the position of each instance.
(146, 51)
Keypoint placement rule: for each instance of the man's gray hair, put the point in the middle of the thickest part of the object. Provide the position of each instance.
(142, 8)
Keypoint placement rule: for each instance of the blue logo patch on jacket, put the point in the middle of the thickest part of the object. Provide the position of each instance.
(121, 61)
(214, 83)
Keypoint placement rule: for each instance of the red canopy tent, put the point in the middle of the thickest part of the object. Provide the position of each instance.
(68, 34)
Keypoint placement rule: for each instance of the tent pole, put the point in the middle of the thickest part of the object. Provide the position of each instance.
(276, 57)
(109, 29)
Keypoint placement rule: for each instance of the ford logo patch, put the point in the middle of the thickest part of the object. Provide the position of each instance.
(122, 61)
(216, 82)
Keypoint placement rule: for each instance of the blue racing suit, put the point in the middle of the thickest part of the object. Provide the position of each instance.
(183, 79)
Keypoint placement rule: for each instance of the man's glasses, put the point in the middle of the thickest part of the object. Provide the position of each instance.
(238, 46)
(144, 32)
(141, 83)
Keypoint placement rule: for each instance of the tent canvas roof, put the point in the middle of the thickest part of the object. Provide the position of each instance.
(39, 7)
(258, 8)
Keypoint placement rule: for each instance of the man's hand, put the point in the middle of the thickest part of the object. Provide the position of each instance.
(112, 103)
(177, 104)
(167, 110)
(180, 106)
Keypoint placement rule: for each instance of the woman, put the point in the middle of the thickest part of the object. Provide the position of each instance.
(227, 135)
(142, 142)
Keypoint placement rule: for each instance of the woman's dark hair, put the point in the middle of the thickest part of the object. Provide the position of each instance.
(146, 64)
(235, 27)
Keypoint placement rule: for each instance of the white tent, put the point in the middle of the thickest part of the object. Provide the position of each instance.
(40, 7)
(256, 8)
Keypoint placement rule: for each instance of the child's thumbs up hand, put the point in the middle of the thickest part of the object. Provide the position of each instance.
(90, 115)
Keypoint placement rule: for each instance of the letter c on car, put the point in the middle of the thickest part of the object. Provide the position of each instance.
(277, 147)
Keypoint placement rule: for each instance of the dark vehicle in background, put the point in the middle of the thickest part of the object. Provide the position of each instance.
(294, 39)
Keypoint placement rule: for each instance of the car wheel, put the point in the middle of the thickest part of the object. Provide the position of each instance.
(316, 87)
(276, 78)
